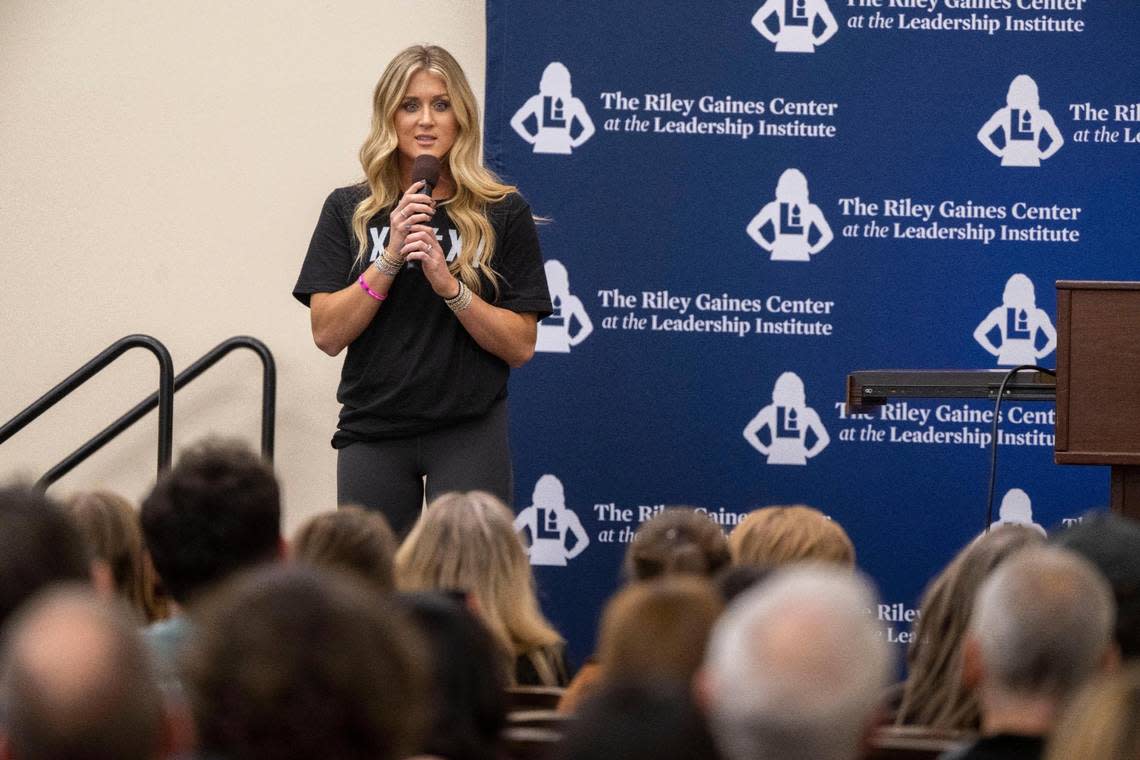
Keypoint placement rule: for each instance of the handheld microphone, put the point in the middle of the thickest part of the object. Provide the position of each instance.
(424, 168)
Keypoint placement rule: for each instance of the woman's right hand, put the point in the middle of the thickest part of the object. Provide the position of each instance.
(413, 208)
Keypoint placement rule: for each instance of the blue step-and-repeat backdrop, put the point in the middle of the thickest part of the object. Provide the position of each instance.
(747, 200)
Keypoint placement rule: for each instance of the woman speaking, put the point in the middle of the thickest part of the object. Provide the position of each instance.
(435, 291)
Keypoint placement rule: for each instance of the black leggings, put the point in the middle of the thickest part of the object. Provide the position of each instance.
(389, 475)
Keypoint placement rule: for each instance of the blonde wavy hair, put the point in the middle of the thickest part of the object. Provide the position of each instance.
(780, 535)
(1103, 721)
(475, 185)
(467, 542)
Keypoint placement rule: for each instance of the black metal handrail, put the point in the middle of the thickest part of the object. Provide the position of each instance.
(186, 376)
(164, 398)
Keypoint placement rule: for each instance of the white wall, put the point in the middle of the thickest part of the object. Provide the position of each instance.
(161, 169)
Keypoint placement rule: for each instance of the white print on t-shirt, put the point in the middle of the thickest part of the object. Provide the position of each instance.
(1017, 324)
(790, 24)
(788, 420)
(791, 228)
(1021, 125)
(554, 332)
(380, 239)
(547, 525)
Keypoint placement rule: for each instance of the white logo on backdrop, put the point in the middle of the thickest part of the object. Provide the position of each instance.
(554, 332)
(552, 533)
(1021, 124)
(1016, 509)
(788, 421)
(786, 227)
(1018, 323)
(790, 24)
(549, 119)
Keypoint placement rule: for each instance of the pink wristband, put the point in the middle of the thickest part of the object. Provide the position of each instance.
(370, 291)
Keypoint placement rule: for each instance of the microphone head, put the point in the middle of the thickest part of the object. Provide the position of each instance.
(426, 167)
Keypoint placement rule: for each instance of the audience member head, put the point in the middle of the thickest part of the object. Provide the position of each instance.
(796, 668)
(350, 539)
(734, 580)
(467, 693)
(934, 694)
(77, 683)
(676, 540)
(294, 662)
(780, 535)
(638, 721)
(110, 528)
(657, 629)
(1102, 721)
(1042, 625)
(467, 542)
(217, 511)
(39, 545)
(1112, 543)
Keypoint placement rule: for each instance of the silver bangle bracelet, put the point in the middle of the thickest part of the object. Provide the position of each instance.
(386, 265)
(461, 300)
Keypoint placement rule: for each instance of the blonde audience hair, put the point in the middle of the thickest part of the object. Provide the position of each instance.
(467, 542)
(110, 527)
(475, 185)
(657, 629)
(779, 535)
(1102, 721)
(674, 541)
(934, 694)
(351, 539)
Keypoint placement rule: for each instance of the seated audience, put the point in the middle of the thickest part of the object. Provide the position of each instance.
(1102, 721)
(467, 689)
(675, 613)
(796, 668)
(76, 683)
(290, 662)
(1042, 625)
(676, 540)
(934, 694)
(466, 542)
(217, 511)
(1112, 543)
(779, 535)
(110, 527)
(39, 546)
(351, 539)
(638, 721)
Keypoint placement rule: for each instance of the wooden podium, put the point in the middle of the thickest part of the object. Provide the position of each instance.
(1098, 383)
(1097, 387)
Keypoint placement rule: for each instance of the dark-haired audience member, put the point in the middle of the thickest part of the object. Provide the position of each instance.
(934, 694)
(466, 542)
(733, 581)
(289, 662)
(217, 511)
(1042, 626)
(779, 535)
(654, 630)
(110, 527)
(76, 683)
(796, 667)
(638, 721)
(1112, 543)
(351, 539)
(39, 546)
(467, 688)
(1102, 721)
(676, 540)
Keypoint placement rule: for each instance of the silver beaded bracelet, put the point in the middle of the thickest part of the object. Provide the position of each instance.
(387, 265)
(461, 300)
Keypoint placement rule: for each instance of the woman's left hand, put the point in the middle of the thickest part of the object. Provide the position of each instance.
(420, 245)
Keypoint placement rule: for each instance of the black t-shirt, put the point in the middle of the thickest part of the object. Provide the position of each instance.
(415, 368)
